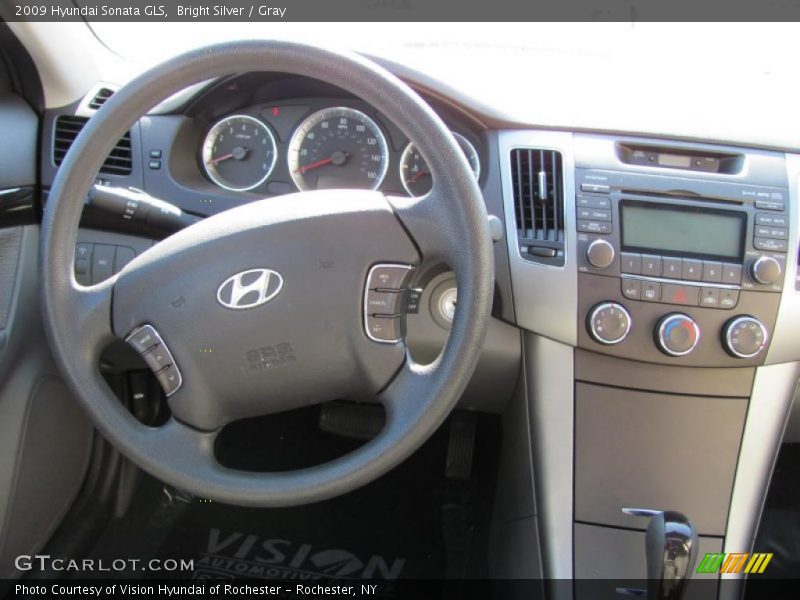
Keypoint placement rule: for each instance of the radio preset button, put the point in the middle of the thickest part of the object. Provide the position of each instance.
(712, 271)
(631, 262)
(692, 269)
(595, 226)
(672, 267)
(770, 244)
(731, 273)
(651, 291)
(651, 265)
(686, 295)
(632, 288)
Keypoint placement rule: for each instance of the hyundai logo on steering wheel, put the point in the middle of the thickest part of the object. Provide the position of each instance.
(249, 289)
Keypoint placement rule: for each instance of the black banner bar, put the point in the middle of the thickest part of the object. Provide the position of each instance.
(399, 10)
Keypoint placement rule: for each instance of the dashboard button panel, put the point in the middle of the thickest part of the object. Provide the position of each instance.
(148, 343)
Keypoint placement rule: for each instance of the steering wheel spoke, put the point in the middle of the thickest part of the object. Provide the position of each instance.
(90, 310)
(426, 221)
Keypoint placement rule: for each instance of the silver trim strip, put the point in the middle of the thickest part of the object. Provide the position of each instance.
(767, 413)
(545, 296)
(550, 374)
(726, 286)
(9, 191)
(785, 345)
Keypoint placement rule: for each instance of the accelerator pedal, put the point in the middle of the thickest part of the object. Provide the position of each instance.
(354, 421)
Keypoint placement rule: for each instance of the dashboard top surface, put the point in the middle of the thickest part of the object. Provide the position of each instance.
(691, 81)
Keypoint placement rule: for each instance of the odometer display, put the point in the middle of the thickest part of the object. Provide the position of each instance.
(338, 148)
(239, 153)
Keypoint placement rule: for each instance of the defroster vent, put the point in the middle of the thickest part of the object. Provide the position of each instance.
(537, 181)
(67, 128)
(100, 98)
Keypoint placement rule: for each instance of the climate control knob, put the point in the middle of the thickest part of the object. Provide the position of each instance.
(609, 323)
(744, 336)
(600, 254)
(766, 270)
(677, 334)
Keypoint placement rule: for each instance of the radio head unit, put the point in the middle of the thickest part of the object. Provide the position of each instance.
(678, 269)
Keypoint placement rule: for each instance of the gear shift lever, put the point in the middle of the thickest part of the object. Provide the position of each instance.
(671, 547)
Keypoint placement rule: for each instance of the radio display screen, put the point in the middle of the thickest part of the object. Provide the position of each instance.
(682, 230)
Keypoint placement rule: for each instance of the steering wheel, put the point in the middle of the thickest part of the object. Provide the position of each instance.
(315, 249)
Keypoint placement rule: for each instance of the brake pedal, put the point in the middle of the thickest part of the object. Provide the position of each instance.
(461, 446)
(355, 421)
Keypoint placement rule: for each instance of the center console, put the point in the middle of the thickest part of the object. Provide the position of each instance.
(655, 281)
(680, 270)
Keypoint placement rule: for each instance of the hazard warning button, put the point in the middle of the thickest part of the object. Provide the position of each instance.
(685, 295)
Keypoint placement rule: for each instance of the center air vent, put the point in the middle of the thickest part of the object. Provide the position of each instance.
(100, 98)
(537, 181)
(67, 128)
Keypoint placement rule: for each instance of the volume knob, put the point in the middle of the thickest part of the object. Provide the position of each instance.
(600, 254)
(766, 270)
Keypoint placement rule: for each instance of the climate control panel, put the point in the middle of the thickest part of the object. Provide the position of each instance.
(686, 333)
(677, 334)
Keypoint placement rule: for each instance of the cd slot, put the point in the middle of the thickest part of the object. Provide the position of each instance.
(680, 195)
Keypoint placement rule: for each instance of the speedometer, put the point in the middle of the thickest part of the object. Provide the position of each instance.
(338, 148)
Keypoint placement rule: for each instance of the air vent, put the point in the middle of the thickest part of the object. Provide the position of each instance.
(100, 98)
(537, 179)
(119, 161)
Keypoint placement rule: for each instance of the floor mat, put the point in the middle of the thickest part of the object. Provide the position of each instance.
(391, 529)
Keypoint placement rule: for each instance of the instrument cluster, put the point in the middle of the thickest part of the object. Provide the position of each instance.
(279, 148)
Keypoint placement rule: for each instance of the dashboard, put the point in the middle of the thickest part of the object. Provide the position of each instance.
(260, 135)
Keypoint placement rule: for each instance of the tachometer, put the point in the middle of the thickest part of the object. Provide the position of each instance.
(338, 148)
(414, 171)
(239, 153)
